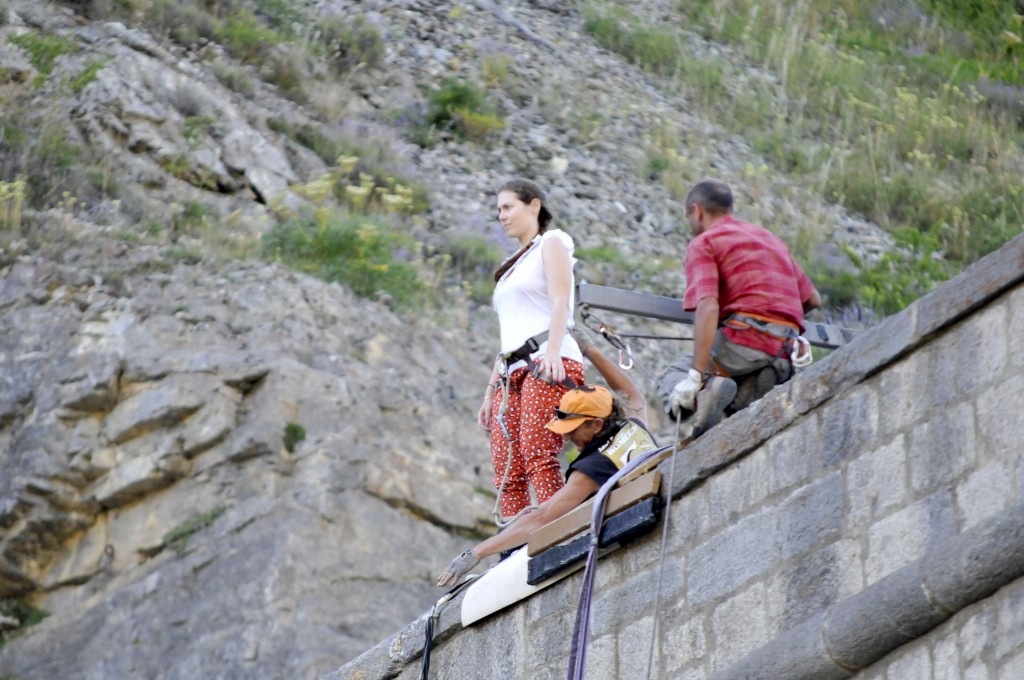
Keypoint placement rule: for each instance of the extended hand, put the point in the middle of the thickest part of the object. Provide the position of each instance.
(582, 338)
(685, 392)
(459, 567)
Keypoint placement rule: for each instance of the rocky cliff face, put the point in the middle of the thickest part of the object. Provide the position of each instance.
(157, 496)
(128, 418)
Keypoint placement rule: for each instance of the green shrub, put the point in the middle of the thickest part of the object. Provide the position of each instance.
(178, 537)
(901, 276)
(247, 38)
(651, 48)
(43, 51)
(361, 252)
(472, 259)
(281, 14)
(26, 615)
(235, 79)
(284, 69)
(460, 106)
(12, 200)
(312, 137)
(78, 82)
(870, 104)
(293, 435)
(348, 43)
(607, 254)
(43, 152)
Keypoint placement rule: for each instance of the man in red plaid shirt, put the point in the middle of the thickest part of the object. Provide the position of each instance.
(749, 298)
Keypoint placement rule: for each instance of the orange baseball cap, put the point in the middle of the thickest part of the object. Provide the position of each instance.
(579, 405)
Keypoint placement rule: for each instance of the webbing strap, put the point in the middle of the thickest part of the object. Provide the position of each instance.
(435, 611)
(581, 627)
(661, 559)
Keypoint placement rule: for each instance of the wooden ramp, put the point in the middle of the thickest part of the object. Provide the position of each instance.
(578, 520)
(633, 508)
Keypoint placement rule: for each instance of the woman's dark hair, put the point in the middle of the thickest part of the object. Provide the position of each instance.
(525, 190)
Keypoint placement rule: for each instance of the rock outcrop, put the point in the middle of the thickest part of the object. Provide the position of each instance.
(125, 418)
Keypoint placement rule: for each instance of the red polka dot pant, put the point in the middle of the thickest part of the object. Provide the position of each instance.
(535, 449)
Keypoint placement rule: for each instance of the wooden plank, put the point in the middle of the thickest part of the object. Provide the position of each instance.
(671, 309)
(578, 519)
(629, 524)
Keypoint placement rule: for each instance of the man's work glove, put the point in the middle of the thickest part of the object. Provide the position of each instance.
(459, 567)
(582, 338)
(685, 392)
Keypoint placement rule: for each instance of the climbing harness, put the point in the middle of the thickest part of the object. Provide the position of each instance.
(507, 361)
(796, 345)
(435, 613)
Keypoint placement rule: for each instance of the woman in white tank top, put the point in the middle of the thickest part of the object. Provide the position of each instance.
(533, 296)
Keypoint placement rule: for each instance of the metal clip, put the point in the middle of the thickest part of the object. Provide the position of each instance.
(801, 355)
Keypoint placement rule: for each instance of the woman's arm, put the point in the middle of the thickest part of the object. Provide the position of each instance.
(558, 273)
(483, 416)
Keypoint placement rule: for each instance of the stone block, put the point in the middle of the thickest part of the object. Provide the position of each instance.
(850, 559)
(634, 597)
(611, 569)
(683, 644)
(999, 427)
(799, 590)
(912, 661)
(848, 425)
(689, 520)
(944, 362)
(794, 454)
(1012, 667)
(883, 344)
(946, 656)
(985, 492)
(732, 557)
(876, 482)
(1010, 619)
(633, 648)
(739, 625)
(602, 659)
(941, 449)
(976, 632)
(904, 536)
(977, 670)
(739, 487)
(551, 639)
(1016, 328)
(554, 600)
(984, 341)
(810, 516)
(902, 389)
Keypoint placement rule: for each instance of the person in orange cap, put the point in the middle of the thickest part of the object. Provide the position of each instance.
(606, 428)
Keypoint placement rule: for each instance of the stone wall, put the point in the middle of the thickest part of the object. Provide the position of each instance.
(866, 518)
